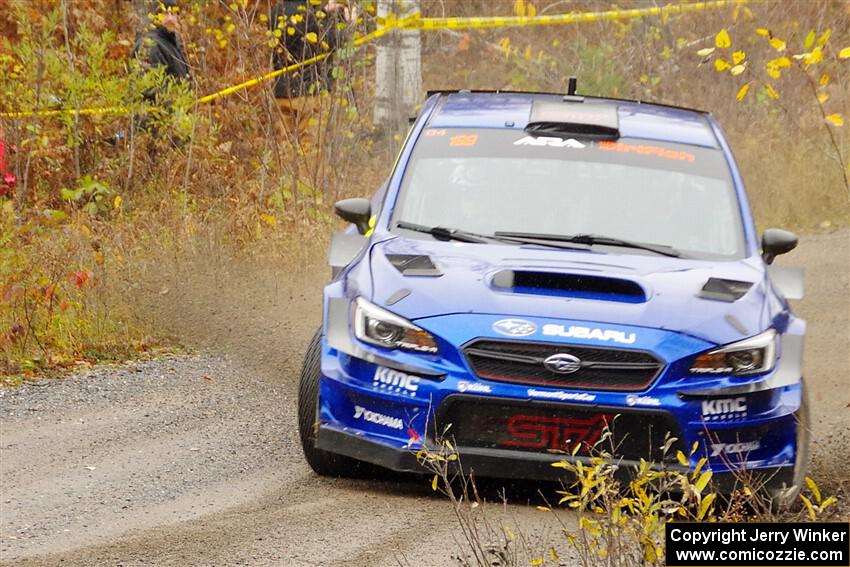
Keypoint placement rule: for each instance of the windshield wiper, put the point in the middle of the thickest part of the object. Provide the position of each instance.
(591, 239)
(443, 233)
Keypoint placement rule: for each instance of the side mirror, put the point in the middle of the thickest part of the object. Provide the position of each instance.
(356, 211)
(776, 241)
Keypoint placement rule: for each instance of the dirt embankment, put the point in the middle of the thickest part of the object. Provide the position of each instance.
(194, 460)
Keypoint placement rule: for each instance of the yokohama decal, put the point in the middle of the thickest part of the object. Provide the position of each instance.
(554, 433)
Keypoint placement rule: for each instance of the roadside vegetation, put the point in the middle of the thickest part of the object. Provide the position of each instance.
(620, 512)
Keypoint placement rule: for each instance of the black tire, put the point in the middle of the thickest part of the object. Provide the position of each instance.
(322, 462)
(787, 497)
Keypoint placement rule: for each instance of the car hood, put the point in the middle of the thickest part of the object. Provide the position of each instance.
(419, 278)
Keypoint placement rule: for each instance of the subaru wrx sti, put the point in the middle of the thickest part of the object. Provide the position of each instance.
(540, 268)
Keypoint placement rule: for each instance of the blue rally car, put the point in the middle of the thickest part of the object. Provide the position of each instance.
(539, 267)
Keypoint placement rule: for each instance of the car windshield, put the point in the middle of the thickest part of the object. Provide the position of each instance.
(486, 181)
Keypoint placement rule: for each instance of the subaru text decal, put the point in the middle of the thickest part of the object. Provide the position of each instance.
(514, 327)
(589, 333)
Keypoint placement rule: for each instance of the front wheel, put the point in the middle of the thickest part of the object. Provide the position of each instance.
(322, 462)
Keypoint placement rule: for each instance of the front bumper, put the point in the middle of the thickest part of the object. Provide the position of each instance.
(387, 424)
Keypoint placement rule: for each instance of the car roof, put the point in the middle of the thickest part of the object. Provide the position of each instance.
(468, 109)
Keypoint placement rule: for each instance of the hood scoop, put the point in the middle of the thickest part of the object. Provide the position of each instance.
(414, 265)
(569, 285)
(724, 290)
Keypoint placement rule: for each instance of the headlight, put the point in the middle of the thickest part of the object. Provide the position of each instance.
(750, 356)
(380, 327)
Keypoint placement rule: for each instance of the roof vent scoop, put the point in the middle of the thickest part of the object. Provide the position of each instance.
(573, 118)
(578, 286)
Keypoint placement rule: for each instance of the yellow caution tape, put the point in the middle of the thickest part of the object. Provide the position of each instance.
(257, 80)
(416, 21)
(71, 111)
(578, 17)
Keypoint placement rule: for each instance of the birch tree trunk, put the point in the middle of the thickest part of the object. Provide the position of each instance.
(398, 70)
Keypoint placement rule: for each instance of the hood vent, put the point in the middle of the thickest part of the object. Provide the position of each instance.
(569, 285)
(724, 290)
(414, 265)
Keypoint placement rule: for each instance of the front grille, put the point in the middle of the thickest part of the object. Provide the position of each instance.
(599, 369)
(551, 428)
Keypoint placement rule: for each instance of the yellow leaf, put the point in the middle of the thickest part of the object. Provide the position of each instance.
(824, 37)
(777, 44)
(738, 69)
(544, 509)
(554, 554)
(742, 92)
(705, 504)
(823, 97)
(763, 32)
(683, 460)
(269, 219)
(738, 56)
(434, 482)
(809, 508)
(782, 62)
(649, 553)
(835, 119)
(828, 502)
(814, 488)
(519, 8)
(116, 203)
(705, 52)
(702, 481)
(816, 56)
(536, 561)
(810, 40)
(824, 80)
(722, 39)
(844, 53)
(530, 10)
(771, 92)
(311, 37)
(721, 65)
(505, 46)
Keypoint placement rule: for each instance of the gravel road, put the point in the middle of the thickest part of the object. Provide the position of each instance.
(194, 460)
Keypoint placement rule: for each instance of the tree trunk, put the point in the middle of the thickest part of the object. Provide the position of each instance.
(398, 70)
